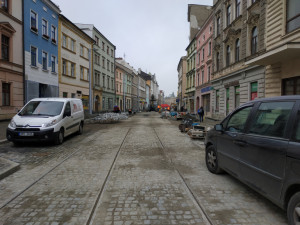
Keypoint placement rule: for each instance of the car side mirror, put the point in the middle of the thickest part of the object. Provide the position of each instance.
(219, 127)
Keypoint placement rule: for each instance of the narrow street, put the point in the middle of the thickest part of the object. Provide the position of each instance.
(139, 171)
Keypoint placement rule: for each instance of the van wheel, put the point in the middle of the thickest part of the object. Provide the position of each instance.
(60, 137)
(211, 160)
(293, 210)
(80, 130)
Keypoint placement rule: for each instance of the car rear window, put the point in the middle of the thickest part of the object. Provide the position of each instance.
(271, 118)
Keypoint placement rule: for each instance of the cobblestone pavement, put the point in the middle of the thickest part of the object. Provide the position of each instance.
(139, 171)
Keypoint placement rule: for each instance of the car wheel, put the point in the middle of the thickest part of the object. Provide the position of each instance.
(293, 210)
(60, 137)
(80, 130)
(211, 159)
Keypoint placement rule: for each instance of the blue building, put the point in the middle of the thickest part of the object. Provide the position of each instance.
(41, 48)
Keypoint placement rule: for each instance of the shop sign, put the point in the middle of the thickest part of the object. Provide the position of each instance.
(206, 89)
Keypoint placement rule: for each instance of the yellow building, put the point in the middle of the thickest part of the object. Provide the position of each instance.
(282, 56)
(74, 61)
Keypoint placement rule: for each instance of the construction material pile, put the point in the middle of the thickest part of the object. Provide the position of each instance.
(108, 118)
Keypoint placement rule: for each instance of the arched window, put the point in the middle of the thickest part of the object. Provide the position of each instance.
(228, 14)
(237, 9)
(218, 25)
(237, 50)
(228, 55)
(254, 40)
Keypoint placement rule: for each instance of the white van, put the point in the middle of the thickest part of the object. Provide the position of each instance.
(47, 119)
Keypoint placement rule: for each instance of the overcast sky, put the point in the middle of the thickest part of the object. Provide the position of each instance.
(153, 34)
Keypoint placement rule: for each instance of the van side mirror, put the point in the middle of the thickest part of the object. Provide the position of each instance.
(219, 127)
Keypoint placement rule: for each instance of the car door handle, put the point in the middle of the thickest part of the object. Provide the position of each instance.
(240, 143)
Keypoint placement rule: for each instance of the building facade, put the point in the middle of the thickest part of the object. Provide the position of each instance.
(239, 31)
(134, 92)
(142, 93)
(74, 61)
(190, 77)
(119, 73)
(103, 69)
(181, 69)
(41, 48)
(204, 40)
(282, 56)
(11, 58)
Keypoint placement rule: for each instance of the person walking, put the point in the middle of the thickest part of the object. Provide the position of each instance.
(201, 113)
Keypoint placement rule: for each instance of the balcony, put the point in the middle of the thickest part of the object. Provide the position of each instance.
(283, 53)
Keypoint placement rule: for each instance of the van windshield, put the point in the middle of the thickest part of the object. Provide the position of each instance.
(42, 108)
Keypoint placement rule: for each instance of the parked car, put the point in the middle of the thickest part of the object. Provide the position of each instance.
(259, 143)
(47, 119)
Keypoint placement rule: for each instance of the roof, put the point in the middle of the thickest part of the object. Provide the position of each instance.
(83, 26)
(78, 28)
(145, 76)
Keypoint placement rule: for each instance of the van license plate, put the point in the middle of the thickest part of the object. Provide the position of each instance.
(26, 134)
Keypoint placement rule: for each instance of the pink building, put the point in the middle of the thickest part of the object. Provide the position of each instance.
(203, 87)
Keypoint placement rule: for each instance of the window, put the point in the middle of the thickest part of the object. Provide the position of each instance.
(33, 21)
(64, 67)
(53, 59)
(97, 40)
(217, 100)
(5, 94)
(293, 15)
(103, 79)
(108, 65)
(72, 45)
(5, 47)
(228, 56)
(88, 74)
(254, 41)
(81, 51)
(291, 86)
(64, 41)
(33, 56)
(112, 67)
(53, 34)
(218, 61)
(65, 94)
(103, 62)
(112, 83)
(296, 133)
(208, 73)
(73, 69)
(228, 16)
(4, 4)
(237, 9)
(103, 45)
(238, 120)
(209, 48)
(237, 96)
(218, 26)
(44, 60)
(253, 1)
(198, 78)
(253, 90)
(112, 53)
(271, 118)
(45, 28)
(108, 82)
(237, 50)
(107, 50)
(202, 54)
(81, 73)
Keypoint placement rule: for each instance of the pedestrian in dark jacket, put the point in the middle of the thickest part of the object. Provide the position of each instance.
(201, 113)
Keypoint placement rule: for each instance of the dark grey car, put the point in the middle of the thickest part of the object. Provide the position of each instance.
(259, 143)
